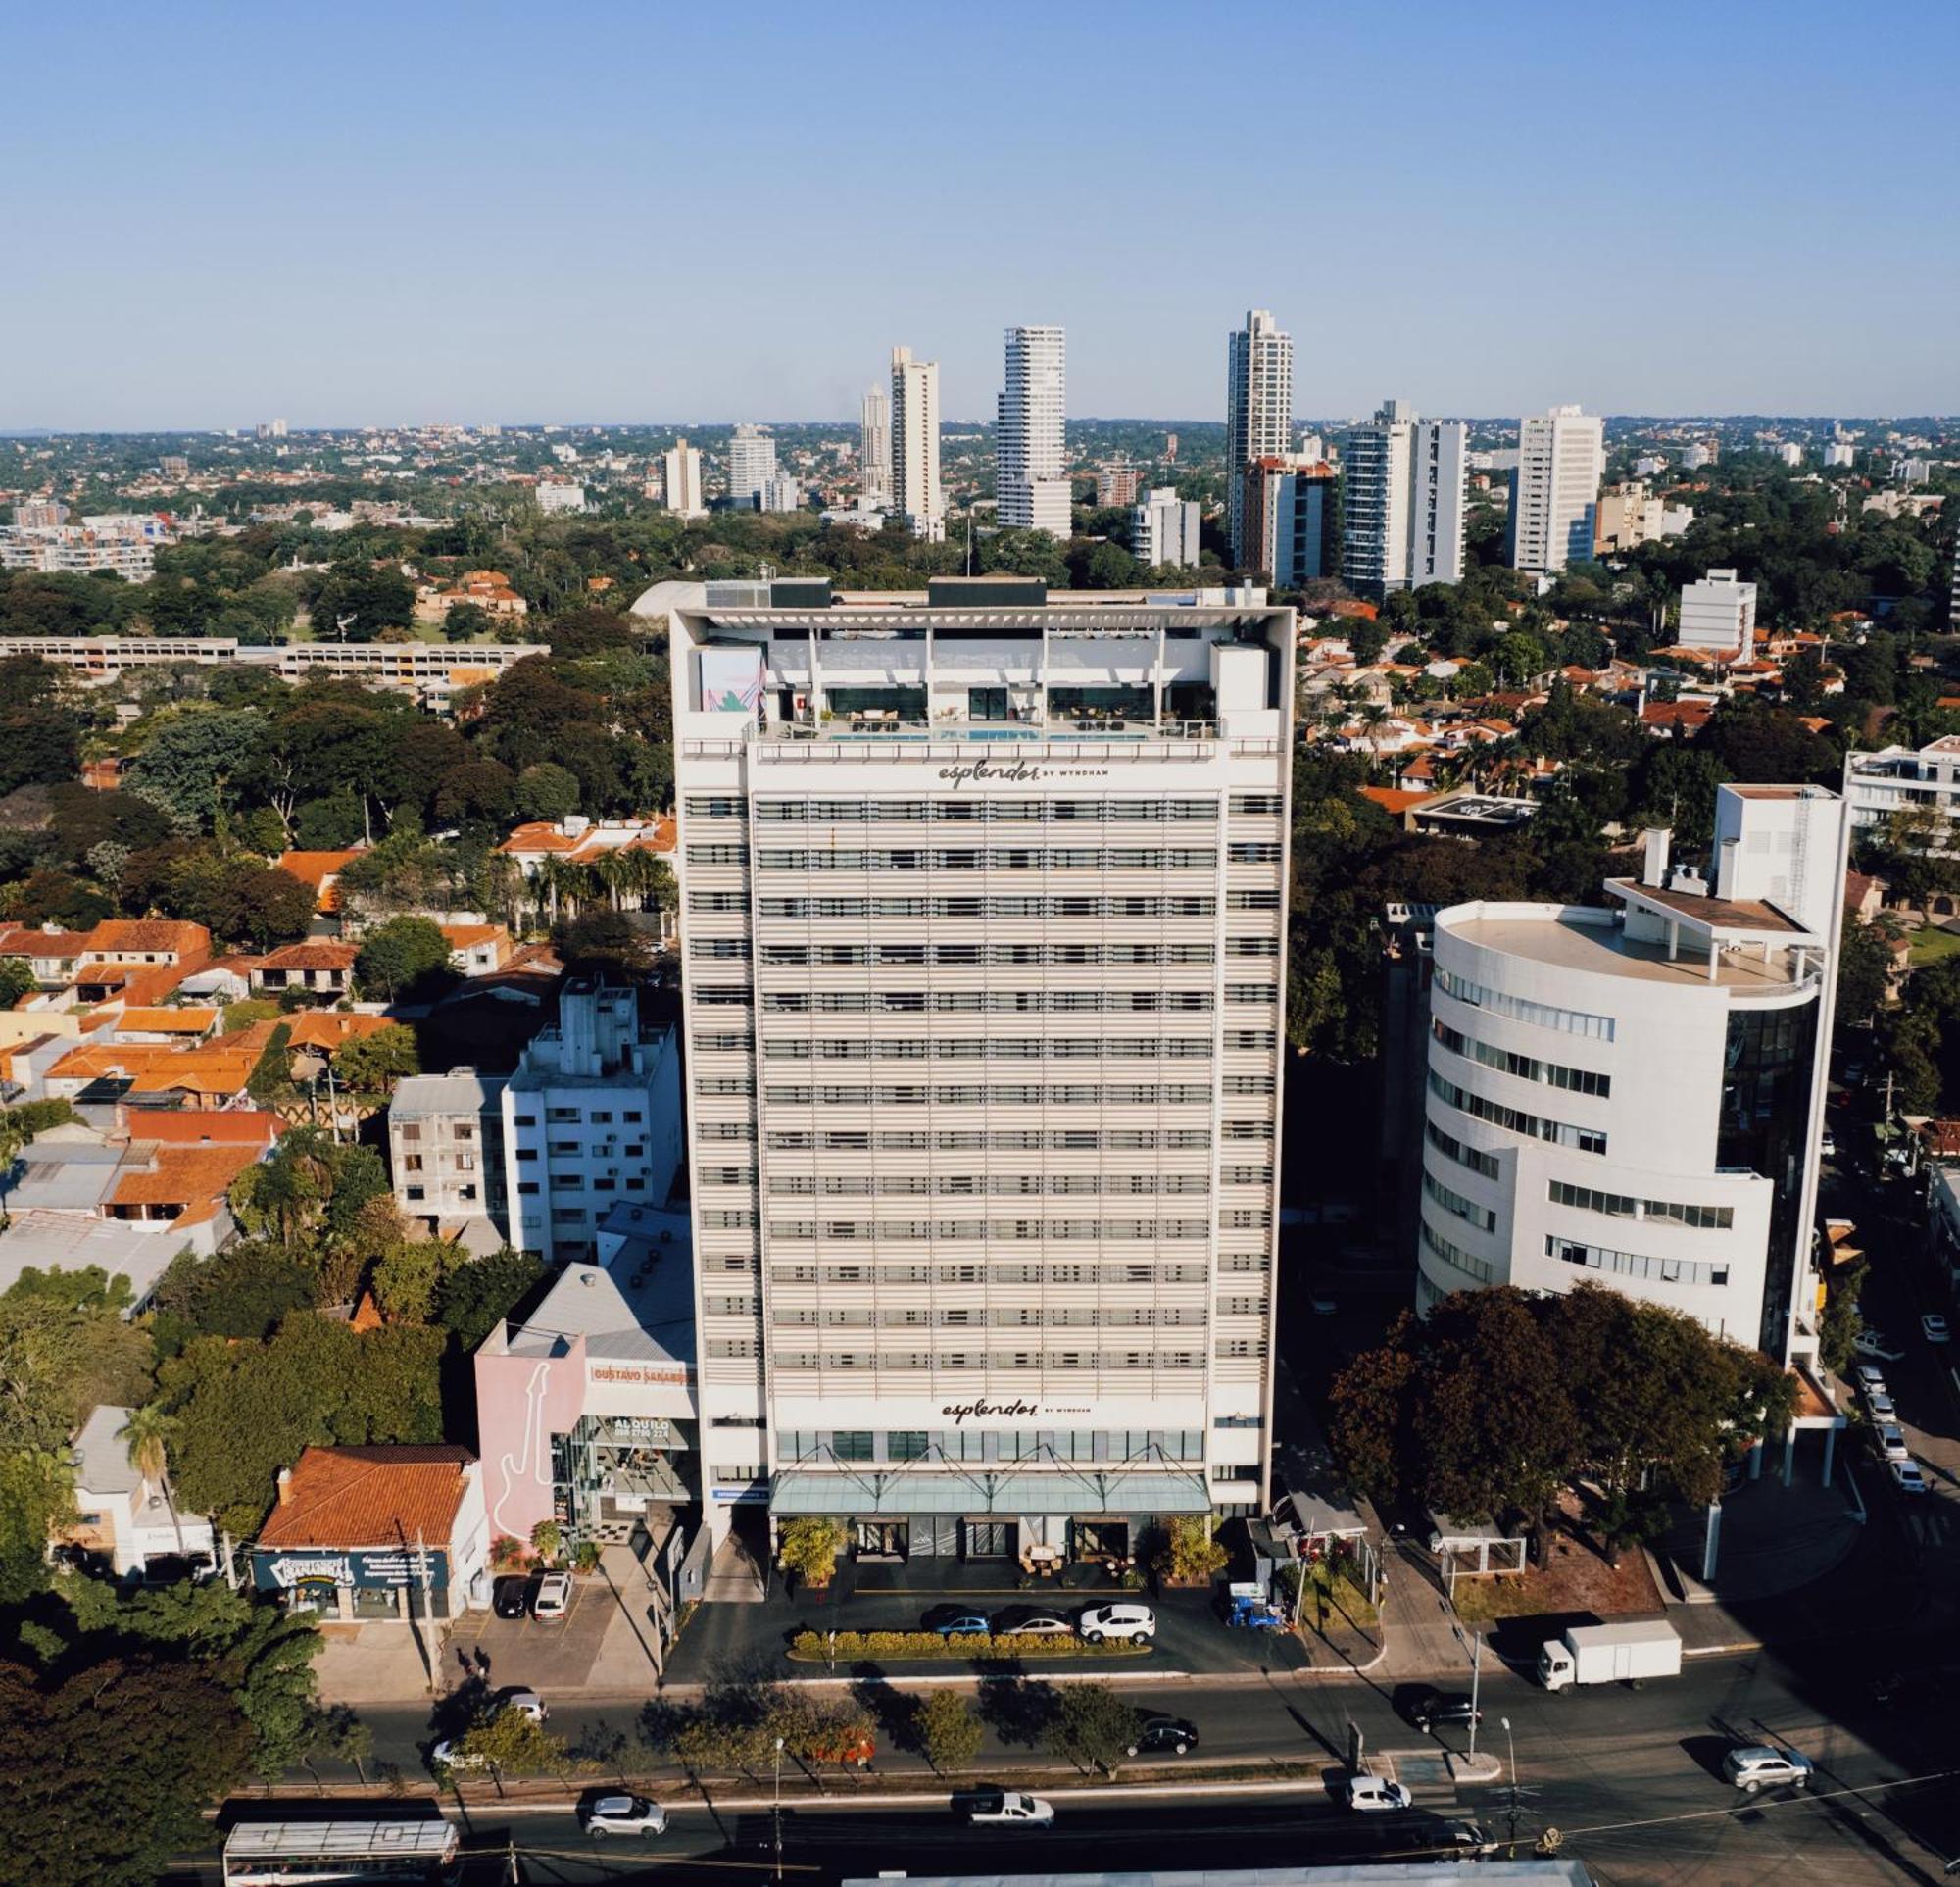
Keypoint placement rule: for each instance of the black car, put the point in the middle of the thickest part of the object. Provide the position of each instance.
(1165, 1735)
(511, 1597)
(1429, 1708)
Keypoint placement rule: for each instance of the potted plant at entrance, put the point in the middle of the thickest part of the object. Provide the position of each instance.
(548, 1541)
(807, 1548)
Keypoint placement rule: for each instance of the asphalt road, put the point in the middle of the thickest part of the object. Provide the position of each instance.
(1629, 1777)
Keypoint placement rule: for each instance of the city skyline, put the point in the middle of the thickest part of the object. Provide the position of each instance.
(322, 281)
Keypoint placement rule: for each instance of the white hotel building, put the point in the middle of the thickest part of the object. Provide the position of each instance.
(1634, 1096)
(984, 908)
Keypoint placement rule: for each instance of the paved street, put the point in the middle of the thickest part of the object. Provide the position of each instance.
(1630, 1777)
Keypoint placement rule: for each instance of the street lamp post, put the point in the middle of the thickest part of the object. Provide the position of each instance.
(776, 1814)
(1512, 1749)
(1476, 1686)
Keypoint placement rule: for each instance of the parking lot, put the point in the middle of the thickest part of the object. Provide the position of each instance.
(552, 1656)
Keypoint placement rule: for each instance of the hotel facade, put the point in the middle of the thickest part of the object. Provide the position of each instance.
(983, 909)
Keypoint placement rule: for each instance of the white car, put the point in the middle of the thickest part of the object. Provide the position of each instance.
(526, 1702)
(446, 1757)
(1888, 1438)
(553, 1598)
(1009, 1809)
(1376, 1795)
(1879, 1405)
(1120, 1621)
(1872, 1343)
(1827, 1147)
(1870, 1379)
(622, 1814)
(1907, 1476)
(1932, 1327)
(1759, 1765)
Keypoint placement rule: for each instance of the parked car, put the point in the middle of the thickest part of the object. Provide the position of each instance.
(511, 1595)
(1163, 1735)
(1376, 1795)
(1827, 1145)
(1932, 1327)
(446, 1756)
(1428, 1708)
(1008, 1808)
(553, 1597)
(1761, 1766)
(1120, 1621)
(1907, 1476)
(1888, 1438)
(1872, 1343)
(1881, 1407)
(617, 1814)
(1870, 1379)
(956, 1621)
(1029, 1621)
(525, 1702)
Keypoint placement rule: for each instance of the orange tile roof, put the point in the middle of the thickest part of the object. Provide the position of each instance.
(312, 955)
(21, 940)
(1395, 798)
(193, 1177)
(330, 1030)
(150, 934)
(207, 1126)
(363, 1496)
(310, 868)
(169, 1021)
(462, 935)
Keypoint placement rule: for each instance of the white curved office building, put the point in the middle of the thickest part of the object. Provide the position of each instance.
(1633, 1095)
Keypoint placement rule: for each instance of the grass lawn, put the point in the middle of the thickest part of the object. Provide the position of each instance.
(1929, 946)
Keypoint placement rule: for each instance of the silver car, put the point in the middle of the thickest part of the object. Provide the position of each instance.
(620, 1813)
(1762, 1766)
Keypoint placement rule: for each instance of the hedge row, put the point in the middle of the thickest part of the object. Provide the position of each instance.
(817, 1645)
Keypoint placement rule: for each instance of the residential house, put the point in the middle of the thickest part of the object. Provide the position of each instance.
(321, 871)
(319, 969)
(478, 949)
(125, 1518)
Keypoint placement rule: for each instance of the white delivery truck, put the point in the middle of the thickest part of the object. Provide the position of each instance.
(1610, 1655)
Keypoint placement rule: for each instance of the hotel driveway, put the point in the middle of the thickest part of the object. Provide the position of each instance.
(753, 1640)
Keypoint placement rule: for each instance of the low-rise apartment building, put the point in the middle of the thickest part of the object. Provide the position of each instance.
(591, 1118)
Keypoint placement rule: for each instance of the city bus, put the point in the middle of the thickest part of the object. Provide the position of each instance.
(410, 1851)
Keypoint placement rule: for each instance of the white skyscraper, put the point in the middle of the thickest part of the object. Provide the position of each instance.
(1258, 409)
(984, 1045)
(751, 464)
(1031, 456)
(681, 465)
(1403, 504)
(1556, 489)
(874, 444)
(915, 492)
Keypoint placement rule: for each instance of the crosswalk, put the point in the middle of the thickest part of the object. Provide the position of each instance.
(1931, 1525)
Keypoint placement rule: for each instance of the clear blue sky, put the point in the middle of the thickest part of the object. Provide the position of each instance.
(395, 212)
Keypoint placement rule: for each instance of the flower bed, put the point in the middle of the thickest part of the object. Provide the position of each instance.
(820, 1647)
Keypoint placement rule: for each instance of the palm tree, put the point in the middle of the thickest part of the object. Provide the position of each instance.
(147, 1435)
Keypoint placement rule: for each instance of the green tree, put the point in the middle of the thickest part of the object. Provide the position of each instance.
(372, 1064)
(406, 1279)
(403, 954)
(547, 791)
(109, 1766)
(808, 1546)
(1843, 1322)
(1092, 1726)
(477, 1295)
(946, 1729)
(466, 622)
(192, 759)
(15, 980)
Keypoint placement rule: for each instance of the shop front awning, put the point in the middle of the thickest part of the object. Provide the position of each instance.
(1008, 1496)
